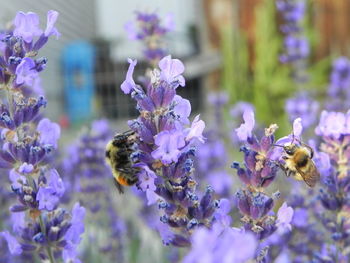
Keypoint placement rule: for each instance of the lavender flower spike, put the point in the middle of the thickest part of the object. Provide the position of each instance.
(40, 225)
(150, 30)
(165, 150)
(259, 171)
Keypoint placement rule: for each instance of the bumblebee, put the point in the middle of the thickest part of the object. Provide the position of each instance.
(118, 153)
(299, 163)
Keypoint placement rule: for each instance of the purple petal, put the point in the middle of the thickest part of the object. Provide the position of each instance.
(285, 216)
(26, 168)
(297, 127)
(25, 72)
(51, 20)
(171, 70)
(182, 108)
(47, 198)
(56, 183)
(169, 143)
(245, 130)
(196, 130)
(27, 26)
(49, 131)
(129, 84)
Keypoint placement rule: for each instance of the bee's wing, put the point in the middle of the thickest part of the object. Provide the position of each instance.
(311, 176)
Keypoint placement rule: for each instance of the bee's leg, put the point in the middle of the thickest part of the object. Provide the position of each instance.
(290, 172)
(282, 167)
(118, 186)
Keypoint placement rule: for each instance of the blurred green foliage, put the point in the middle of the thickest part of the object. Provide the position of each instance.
(266, 82)
(271, 82)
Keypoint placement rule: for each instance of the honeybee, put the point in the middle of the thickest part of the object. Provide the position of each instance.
(118, 153)
(299, 163)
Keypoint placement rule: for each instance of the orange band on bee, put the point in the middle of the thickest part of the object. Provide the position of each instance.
(123, 181)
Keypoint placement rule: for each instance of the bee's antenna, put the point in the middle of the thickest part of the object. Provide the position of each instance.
(278, 145)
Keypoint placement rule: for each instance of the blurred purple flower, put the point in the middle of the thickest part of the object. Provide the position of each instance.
(222, 214)
(284, 217)
(300, 217)
(13, 245)
(333, 124)
(69, 255)
(245, 130)
(221, 181)
(296, 48)
(26, 72)
(303, 106)
(169, 22)
(239, 108)
(129, 84)
(165, 233)
(49, 131)
(99, 127)
(73, 235)
(18, 221)
(340, 77)
(284, 257)
(169, 143)
(221, 246)
(27, 26)
(130, 29)
(218, 98)
(171, 70)
(148, 28)
(292, 11)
